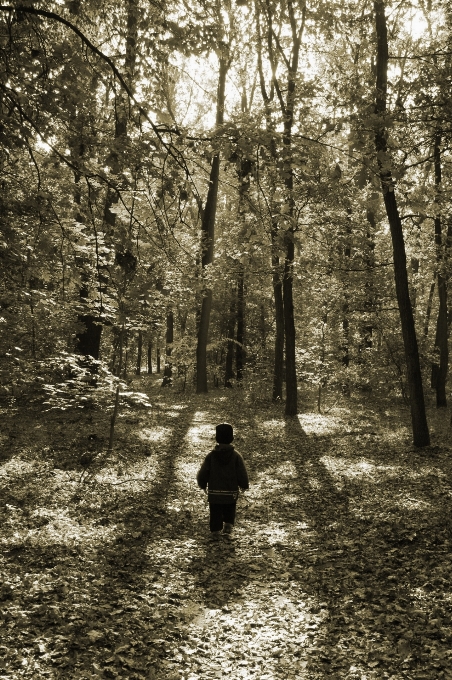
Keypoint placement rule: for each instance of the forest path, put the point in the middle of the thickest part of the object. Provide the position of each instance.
(340, 566)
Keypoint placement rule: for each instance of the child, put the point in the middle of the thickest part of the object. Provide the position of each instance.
(223, 472)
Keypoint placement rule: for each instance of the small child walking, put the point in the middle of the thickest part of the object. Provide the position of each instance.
(221, 474)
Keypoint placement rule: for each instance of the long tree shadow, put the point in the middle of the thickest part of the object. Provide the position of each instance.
(369, 570)
(86, 579)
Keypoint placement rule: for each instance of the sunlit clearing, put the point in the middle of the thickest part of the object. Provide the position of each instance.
(316, 423)
(156, 434)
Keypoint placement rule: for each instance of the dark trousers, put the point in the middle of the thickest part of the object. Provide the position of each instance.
(219, 513)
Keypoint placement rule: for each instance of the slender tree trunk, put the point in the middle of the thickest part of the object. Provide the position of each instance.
(428, 311)
(346, 309)
(439, 371)
(88, 339)
(207, 241)
(287, 286)
(239, 350)
(168, 371)
(369, 302)
(150, 357)
(158, 357)
(278, 361)
(421, 435)
(229, 369)
(139, 351)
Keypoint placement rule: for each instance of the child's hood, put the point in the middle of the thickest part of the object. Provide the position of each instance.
(223, 453)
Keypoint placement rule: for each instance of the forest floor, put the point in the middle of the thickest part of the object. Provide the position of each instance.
(340, 567)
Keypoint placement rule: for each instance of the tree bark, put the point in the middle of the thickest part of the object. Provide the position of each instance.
(239, 349)
(229, 369)
(139, 351)
(278, 360)
(168, 370)
(207, 240)
(287, 286)
(428, 311)
(421, 435)
(439, 371)
(150, 357)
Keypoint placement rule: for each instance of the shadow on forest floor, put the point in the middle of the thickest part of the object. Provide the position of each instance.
(340, 566)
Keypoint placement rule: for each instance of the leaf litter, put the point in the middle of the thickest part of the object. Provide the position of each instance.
(340, 566)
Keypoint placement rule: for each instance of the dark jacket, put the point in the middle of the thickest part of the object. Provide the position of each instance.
(223, 472)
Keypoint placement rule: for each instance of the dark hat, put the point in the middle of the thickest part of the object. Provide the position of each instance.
(224, 434)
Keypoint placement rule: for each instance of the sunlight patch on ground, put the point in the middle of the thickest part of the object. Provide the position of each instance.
(266, 484)
(202, 431)
(16, 467)
(287, 469)
(317, 423)
(341, 467)
(155, 434)
(275, 532)
(278, 639)
(186, 471)
(141, 475)
(60, 529)
(414, 504)
(270, 425)
(390, 504)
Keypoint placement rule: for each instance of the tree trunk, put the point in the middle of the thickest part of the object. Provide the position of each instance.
(278, 361)
(439, 371)
(150, 357)
(139, 351)
(229, 369)
(421, 435)
(287, 286)
(158, 358)
(168, 370)
(87, 340)
(428, 311)
(239, 350)
(207, 241)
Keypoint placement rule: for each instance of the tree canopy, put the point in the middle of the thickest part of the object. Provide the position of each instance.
(259, 191)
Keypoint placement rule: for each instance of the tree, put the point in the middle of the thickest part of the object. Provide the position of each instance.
(421, 435)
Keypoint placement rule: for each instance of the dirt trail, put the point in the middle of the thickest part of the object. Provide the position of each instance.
(340, 566)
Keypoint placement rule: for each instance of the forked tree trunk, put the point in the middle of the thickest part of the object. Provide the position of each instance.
(207, 241)
(421, 435)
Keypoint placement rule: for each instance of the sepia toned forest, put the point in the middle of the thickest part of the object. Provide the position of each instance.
(214, 211)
